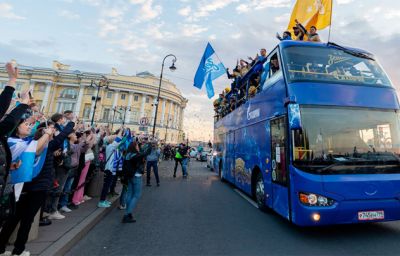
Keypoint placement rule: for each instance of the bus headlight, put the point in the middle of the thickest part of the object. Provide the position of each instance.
(311, 199)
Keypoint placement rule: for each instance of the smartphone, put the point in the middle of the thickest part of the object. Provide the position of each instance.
(47, 126)
(30, 95)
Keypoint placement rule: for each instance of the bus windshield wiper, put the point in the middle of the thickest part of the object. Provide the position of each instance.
(351, 52)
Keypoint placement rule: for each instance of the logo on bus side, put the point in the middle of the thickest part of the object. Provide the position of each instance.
(253, 114)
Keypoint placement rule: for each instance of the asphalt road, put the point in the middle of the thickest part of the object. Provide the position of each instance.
(203, 216)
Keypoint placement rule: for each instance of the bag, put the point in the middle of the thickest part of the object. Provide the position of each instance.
(89, 156)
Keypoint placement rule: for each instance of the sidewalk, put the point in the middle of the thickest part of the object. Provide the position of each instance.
(61, 235)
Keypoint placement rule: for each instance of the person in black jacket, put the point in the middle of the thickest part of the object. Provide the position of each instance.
(132, 172)
(7, 125)
(33, 195)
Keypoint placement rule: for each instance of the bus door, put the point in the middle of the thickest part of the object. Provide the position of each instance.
(229, 167)
(279, 166)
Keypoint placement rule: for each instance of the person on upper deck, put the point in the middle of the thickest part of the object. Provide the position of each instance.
(261, 57)
(274, 65)
(285, 36)
(312, 35)
(298, 33)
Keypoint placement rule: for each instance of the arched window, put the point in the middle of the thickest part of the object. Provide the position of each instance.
(69, 93)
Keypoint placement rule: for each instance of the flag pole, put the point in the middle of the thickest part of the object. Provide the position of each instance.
(216, 54)
(330, 26)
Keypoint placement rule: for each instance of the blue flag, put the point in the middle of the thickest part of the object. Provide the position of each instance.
(209, 69)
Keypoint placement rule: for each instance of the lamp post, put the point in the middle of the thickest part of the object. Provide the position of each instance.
(114, 110)
(172, 68)
(125, 109)
(102, 83)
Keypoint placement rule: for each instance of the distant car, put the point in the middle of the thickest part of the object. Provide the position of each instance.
(202, 156)
(210, 157)
(193, 153)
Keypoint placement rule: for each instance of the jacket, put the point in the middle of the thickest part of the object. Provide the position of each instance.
(9, 122)
(44, 181)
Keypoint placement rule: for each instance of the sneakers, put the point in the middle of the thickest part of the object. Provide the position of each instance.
(73, 206)
(6, 253)
(174, 175)
(86, 198)
(44, 222)
(148, 185)
(128, 219)
(122, 207)
(103, 204)
(56, 216)
(158, 184)
(185, 176)
(65, 209)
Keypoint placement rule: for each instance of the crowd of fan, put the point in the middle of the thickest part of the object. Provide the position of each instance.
(47, 163)
(235, 95)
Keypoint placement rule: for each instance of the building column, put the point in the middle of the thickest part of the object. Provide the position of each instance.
(175, 115)
(45, 101)
(171, 104)
(128, 114)
(178, 116)
(142, 106)
(79, 101)
(163, 113)
(115, 101)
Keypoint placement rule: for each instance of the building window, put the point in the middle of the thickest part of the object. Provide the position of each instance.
(69, 94)
(136, 98)
(41, 87)
(3, 85)
(86, 111)
(147, 99)
(18, 86)
(63, 106)
(106, 114)
(109, 95)
(123, 96)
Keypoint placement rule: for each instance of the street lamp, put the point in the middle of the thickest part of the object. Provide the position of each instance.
(172, 68)
(125, 109)
(102, 83)
(113, 119)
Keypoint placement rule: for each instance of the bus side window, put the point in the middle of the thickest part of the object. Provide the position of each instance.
(273, 71)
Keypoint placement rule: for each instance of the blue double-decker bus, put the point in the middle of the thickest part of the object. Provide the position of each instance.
(319, 143)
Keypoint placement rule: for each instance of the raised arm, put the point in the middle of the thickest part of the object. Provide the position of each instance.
(44, 140)
(7, 93)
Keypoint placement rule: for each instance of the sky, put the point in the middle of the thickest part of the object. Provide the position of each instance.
(135, 35)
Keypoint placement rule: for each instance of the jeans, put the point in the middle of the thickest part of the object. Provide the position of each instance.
(122, 197)
(108, 179)
(183, 163)
(55, 195)
(153, 164)
(67, 190)
(133, 194)
(26, 209)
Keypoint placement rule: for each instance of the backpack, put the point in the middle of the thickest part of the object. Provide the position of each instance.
(67, 159)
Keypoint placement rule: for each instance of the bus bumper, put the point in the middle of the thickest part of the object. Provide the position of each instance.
(345, 212)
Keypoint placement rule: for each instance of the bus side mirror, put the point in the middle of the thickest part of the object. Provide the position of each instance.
(294, 116)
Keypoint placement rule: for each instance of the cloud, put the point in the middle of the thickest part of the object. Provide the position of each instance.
(69, 15)
(185, 11)
(147, 10)
(190, 30)
(6, 11)
(252, 5)
(344, 1)
(205, 8)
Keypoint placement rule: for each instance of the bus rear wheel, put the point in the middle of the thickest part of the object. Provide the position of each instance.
(260, 192)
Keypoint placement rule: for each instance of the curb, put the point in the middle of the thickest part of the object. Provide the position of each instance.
(69, 239)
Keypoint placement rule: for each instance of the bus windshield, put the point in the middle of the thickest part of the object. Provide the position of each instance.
(332, 65)
(347, 140)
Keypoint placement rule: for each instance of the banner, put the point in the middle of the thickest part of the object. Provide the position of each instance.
(311, 13)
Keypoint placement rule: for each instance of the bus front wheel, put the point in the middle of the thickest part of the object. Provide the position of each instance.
(260, 192)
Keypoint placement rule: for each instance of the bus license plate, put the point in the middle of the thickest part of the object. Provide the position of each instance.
(371, 215)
